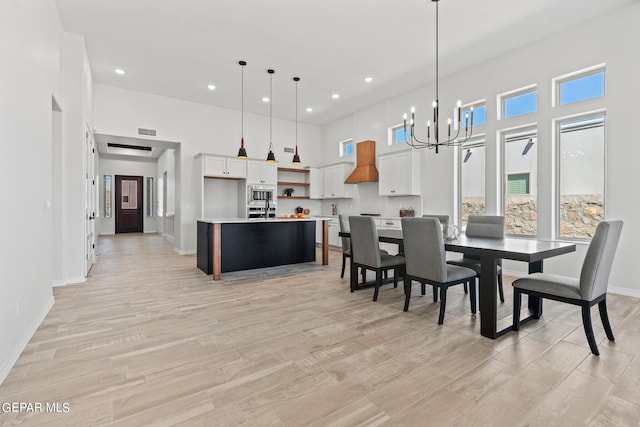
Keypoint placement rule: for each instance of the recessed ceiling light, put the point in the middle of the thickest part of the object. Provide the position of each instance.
(335, 96)
(309, 109)
(119, 71)
(211, 87)
(368, 79)
(265, 99)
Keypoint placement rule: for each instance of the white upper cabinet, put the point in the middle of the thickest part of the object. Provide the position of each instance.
(261, 172)
(224, 167)
(316, 183)
(334, 186)
(328, 182)
(399, 174)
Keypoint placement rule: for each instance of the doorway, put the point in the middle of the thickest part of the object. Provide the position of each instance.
(129, 215)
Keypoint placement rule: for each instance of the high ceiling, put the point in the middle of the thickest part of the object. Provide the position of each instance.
(176, 48)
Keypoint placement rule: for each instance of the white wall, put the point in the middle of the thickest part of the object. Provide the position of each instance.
(120, 166)
(608, 39)
(199, 129)
(29, 77)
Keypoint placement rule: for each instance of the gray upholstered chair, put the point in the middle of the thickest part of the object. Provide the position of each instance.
(483, 226)
(346, 244)
(366, 252)
(426, 261)
(589, 289)
(444, 219)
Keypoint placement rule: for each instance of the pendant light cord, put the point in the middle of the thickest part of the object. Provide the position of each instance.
(296, 113)
(270, 108)
(242, 104)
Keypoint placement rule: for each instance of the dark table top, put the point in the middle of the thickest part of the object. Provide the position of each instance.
(529, 250)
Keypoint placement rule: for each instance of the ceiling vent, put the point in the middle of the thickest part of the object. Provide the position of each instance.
(147, 132)
(365, 170)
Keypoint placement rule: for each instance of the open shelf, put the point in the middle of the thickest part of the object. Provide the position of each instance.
(293, 170)
(292, 183)
(293, 197)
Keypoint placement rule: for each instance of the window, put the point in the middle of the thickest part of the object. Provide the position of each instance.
(581, 175)
(520, 167)
(517, 103)
(398, 134)
(579, 86)
(472, 174)
(107, 196)
(517, 183)
(346, 148)
(479, 114)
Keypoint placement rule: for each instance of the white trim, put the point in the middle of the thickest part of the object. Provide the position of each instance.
(184, 251)
(68, 281)
(624, 291)
(13, 357)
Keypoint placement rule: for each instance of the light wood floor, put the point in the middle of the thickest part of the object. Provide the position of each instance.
(151, 340)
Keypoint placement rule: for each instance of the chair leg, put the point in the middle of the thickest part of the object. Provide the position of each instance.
(364, 275)
(423, 288)
(602, 307)
(395, 277)
(500, 289)
(378, 282)
(435, 294)
(353, 278)
(517, 301)
(407, 292)
(344, 262)
(443, 303)
(386, 274)
(588, 329)
(466, 290)
(472, 295)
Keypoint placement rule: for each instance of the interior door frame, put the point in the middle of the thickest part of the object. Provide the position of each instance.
(90, 200)
(118, 195)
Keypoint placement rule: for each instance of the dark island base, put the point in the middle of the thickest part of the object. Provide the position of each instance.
(245, 246)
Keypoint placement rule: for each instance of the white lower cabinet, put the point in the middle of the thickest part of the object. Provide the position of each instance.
(389, 224)
(333, 228)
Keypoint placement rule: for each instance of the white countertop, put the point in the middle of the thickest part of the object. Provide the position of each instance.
(245, 220)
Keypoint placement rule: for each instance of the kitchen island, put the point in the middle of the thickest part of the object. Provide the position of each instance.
(233, 244)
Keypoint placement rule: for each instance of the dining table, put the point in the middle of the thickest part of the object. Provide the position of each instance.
(490, 250)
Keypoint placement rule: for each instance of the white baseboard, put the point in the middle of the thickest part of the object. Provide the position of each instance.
(623, 291)
(69, 281)
(184, 252)
(13, 357)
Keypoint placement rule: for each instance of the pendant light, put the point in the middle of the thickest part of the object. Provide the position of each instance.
(242, 153)
(271, 158)
(296, 157)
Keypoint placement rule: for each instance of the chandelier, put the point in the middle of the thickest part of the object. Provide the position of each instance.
(439, 140)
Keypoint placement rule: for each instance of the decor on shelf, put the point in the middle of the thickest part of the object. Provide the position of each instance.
(438, 140)
(242, 153)
(271, 158)
(296, 157)
(288, 191)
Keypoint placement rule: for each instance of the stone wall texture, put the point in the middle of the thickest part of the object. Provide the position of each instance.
(579, 214)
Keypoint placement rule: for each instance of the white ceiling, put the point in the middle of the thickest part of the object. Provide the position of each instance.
(176, 47)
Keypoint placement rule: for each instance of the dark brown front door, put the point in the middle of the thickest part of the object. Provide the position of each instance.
(129, 204)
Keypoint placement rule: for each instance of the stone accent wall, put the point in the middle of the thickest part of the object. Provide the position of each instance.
(521, 215)
(579, 214)
(472, 206)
